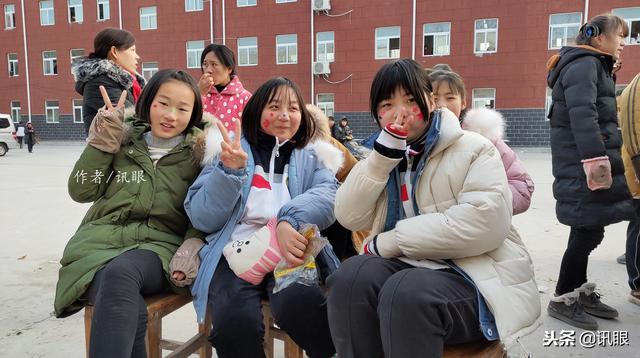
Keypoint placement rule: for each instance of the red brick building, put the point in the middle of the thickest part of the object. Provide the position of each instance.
(500, 47)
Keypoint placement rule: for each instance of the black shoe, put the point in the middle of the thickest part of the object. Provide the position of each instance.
(590, 300)
(622, 259)
(567, 309)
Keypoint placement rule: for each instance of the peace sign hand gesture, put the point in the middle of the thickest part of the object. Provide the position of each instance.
(232, 155)
(106, 130)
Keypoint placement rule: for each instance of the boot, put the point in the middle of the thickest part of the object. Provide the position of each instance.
(590, 300)
(634, 297)
(567, 308)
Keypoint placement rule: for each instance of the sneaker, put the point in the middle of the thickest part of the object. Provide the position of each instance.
(567, 309)
(622, 259)
(634, 297)
(590, 300)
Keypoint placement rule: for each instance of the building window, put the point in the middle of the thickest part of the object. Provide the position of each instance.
(484, 98)
(103, 10)
(75, 11)
(148, 18)
(436, 39)
(193, 5)
(632, 16)
(243, 3)
(15, 111)
(486, 36)
(325, 103)
(52, 111)
(149, 69)
(387, 42)
(9, 16)
(284, 1)
(563, 29)
(47, 16)
(50, 62)
(325, 46)
(247, 51)
(75, 54)
(194, 50)
(286, 49)
(77, 111)
(13, 64)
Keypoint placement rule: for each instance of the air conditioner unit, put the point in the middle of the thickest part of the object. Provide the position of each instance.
(321, 68)
(321, 5)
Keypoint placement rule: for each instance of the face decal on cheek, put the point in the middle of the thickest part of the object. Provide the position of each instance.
(155, 105)
(415, 109)
(271, 114)
(266, 123)
(420, 116)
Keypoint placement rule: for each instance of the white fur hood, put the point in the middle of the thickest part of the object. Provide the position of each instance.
(484, 121)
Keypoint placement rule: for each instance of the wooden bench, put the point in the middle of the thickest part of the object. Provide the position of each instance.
(158, 307)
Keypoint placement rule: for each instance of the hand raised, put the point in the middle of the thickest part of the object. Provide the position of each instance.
(232, 155)
(403, 121)
(107, 128)
(205, 83)
(292, 244)
(108, 106)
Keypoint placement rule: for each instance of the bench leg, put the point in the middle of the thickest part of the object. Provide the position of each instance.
(154, 335)
(205, 350)
(291, 349)
(88, 314)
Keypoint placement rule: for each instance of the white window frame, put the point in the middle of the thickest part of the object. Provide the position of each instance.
(288, 48)
(149, 21)
(565, 27)
(193, 5)
(51, 63)
(106, 10)
(13, 62)
(285, 1)
(629, 22)
(73, 57)
(486, 33)
(15, 111)
(327, 107)
(10, 16)
(55, 111)
(78, 11)
(244, 51)
(475, 99)
(246, 3)
(324, 44)
(196, 52)
(388, 45)
(436, 35)
(149, 69)
(47, 13)
(75, 106)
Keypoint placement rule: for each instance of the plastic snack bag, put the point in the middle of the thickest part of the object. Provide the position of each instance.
(305, 274)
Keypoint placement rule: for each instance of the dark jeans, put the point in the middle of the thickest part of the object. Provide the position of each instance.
(632, 254)
(238, 329)
(20, 141)
(119, 322)
(386, 308)
(573, 269)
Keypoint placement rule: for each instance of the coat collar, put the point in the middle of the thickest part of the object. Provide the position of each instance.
(450, 131)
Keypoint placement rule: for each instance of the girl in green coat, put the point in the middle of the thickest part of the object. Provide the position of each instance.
(136, 172)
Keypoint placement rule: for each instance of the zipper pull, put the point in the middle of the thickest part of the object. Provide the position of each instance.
(277, 152)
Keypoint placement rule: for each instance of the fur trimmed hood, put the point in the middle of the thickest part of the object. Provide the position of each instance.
(86, 69)
(487, 122)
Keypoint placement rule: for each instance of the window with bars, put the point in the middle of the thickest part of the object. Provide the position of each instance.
(486, 36)
(387, 42)
(286, 49)
(247, 51)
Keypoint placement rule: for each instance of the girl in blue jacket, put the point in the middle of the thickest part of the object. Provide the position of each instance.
(268, 173)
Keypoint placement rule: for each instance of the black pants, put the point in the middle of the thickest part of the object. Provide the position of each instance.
(20, 141)
(632, 254)
(119, 322)
(238, 329)
(573, 269)
(386, 308)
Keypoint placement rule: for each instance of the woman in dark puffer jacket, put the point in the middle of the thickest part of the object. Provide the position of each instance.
(112, 64)
(589, 184)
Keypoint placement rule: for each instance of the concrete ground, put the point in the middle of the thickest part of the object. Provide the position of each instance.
(38, 218)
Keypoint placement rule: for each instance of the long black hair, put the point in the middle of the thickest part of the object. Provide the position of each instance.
(109, 37)
(605, 24)
(406, 74)
(143, 107)
(261, 98)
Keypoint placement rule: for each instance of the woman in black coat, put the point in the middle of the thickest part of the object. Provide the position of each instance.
(589, 184)
(112, 64)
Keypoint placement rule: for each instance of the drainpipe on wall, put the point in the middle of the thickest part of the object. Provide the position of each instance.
(211, 20)
(26, 59)
(413, 32)
(311, 67)
(120, 13)
(586, 11)
(224, 26)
